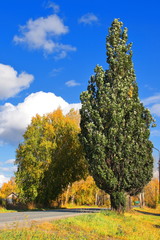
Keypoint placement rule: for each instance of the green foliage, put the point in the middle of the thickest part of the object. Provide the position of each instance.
(50, 158)
(115, 124)
(118, 201)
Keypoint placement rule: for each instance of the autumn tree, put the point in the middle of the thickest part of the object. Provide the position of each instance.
(49, 158)
(85, 192)
(7, 188)
(151, 193)
(74, 115)
(115, 124)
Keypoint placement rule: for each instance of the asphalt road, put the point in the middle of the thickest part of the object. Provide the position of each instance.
(10, 220)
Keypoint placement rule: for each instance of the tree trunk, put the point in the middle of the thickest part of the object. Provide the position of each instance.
(118, 201)
(143, 203)
(141, 199)
(96, 200)
(128, 203)
(67, 192)
(72, 199)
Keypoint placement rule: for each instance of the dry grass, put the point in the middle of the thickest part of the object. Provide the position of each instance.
(151, 210)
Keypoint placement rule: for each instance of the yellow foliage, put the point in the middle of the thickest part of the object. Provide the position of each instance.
(50, 157)
(151, 193)
(85, 192)
(8, 188)
(130, 93)
(74, 116)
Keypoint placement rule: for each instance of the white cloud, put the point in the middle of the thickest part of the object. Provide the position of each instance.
(72, 83)
(154, 104)
(8, 169)
(155, 109)
(155, 173)
(76, 106)
(62, 51)
(43, 33)
(55, 72)
(11, 82)
(10, 161)
(14, 119)
(54, 6)
(155, 133)
(88, 18)
(151, 100)
(3, 179)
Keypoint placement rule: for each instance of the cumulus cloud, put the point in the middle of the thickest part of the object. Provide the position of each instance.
(72, 83)
(11, 82)
(42, 33)
(3, 179)
(14, 119)
(76, 106)
(88, 18)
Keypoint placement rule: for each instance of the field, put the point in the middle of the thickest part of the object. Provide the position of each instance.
(98, 226)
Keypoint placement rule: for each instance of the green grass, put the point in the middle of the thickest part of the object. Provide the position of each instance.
(97, 226)
(3, 210)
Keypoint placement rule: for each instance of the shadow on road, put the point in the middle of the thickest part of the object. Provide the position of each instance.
(78, 210)
(147, 213)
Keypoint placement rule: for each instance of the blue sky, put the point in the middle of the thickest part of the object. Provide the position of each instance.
(48, 51)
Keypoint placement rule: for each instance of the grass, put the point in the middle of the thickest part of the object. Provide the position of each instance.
(150, 210)
(3, 210)
(105, 225)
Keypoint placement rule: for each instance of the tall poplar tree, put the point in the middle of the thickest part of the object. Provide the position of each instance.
(115, 124)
